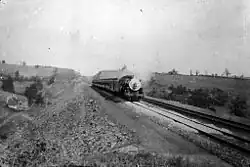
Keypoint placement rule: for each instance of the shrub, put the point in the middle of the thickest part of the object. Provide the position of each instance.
(152, 92)
(34, 93)
(17, 75)
(219, 97)
(179, 90)
(162, 93)
(171, 87)
(212, 108)
(21, 78)
(51, 80)
(35, 78)
(159, 93)
(200, 98)
(26, 78)
(238, 106)
(8, 84)
(55, 70)
(152, 81)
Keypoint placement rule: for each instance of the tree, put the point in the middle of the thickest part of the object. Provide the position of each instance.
(200, 98)
(206, 73)
(238, 105)
(34, 93)
(124, 67)
(242, 76)
(173, 72)
(17, 74)
(171, 87)
(51, 80)
(55, 70)
(24, 63)
(152, 80)
(197, 72)
(191, 72)
(8, 84)
(226, 72)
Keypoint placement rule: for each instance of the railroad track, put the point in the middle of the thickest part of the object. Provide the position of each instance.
(224, 137)
(234, 141)
(232, 124)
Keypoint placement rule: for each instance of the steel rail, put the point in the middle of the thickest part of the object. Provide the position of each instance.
(223, 121)
(213, 136)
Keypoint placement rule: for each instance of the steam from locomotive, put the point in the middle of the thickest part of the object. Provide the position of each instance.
(122, 82)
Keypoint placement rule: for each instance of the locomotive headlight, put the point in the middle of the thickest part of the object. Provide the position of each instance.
(134, 84)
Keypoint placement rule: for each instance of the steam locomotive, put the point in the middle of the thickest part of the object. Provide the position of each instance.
(120, 82)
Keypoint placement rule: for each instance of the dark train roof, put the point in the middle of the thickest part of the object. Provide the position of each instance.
(112, 74)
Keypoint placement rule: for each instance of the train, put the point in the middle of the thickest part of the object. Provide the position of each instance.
(120, 82)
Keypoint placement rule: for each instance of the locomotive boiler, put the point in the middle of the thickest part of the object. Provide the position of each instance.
(120, 82)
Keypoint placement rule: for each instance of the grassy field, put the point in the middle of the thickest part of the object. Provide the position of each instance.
(229, 85)
(27, 71)
(194, 82)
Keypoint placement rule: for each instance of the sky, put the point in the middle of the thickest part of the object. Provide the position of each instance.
(146, 35)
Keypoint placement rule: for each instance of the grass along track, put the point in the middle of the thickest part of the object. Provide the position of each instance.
(232, 124)
(233, 141)
(240, 136)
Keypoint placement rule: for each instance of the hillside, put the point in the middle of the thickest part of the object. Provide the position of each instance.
(217, 93)
(195, 82)
(80, 128)
(27, 70)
